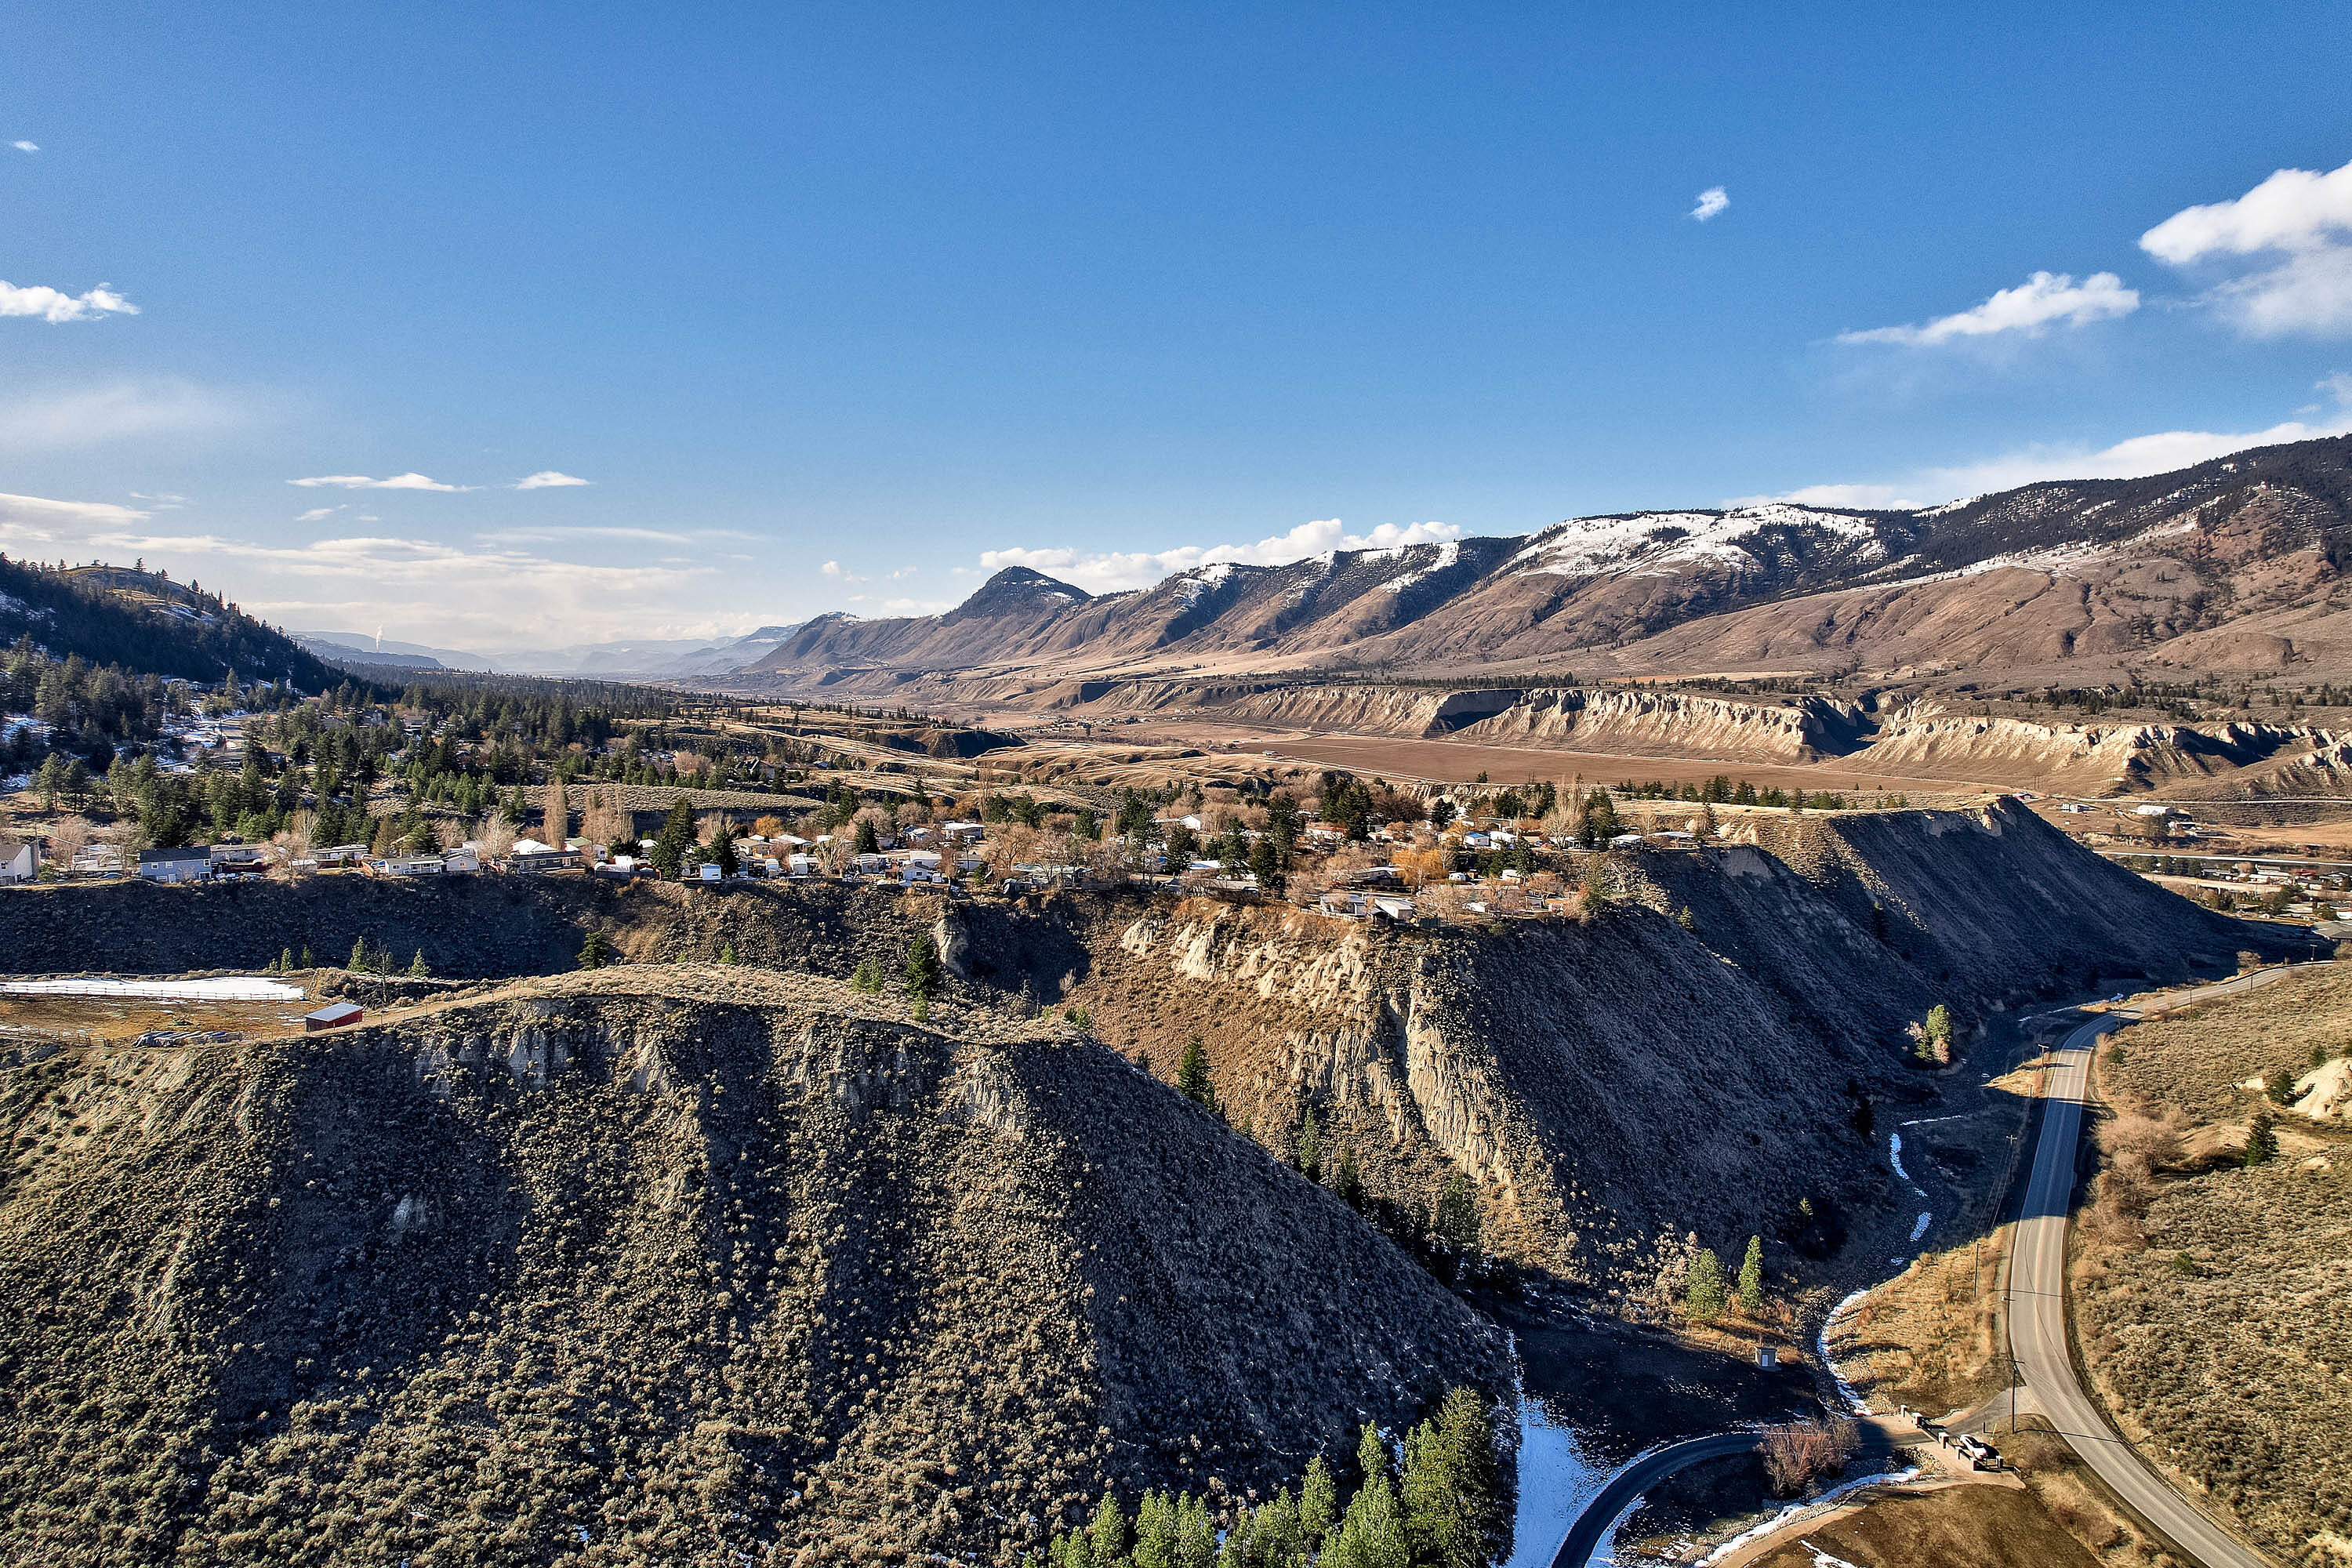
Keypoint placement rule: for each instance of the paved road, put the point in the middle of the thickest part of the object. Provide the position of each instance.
(1592, 1526)
(2037, 1304)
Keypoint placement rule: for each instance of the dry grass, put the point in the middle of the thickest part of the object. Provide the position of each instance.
(1957, 1527)
(2211, 1296)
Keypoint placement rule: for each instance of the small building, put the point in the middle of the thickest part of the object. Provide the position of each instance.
(333, 1015)
(239, 861)
(529, 857)
(339, 854)
(98, 860)
(408, 866)
(712, 871)
(192, 863)
(20, 860)
(465, 858)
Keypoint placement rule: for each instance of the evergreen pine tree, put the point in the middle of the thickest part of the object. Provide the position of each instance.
(1684, 920)
(358, 961)
(1454, 1220)
(1310, 1149)
(923, 972)
(1196, 1537)
(1193, 1080)
(866, 843)
(1275, 1536)
(727, 952)
(1751, 1277)
(1372, 1533)
(1704, 1297)
(1108, 1533)
(1347, 1181)
(416, 969)
(1155, 1531)
(285, 960)
(676, 835)
(1318, 1504)
(1372, 1456)
(306, 957)
(596, 952)
(2261, 1139)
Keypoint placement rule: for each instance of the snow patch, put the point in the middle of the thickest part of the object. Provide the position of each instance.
(1758, 1533)
(223, 988)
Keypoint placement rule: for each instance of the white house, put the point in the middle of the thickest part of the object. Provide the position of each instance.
(191, 864)
(20, 860)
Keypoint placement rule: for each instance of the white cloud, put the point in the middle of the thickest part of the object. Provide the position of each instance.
(2300, 224)
(488, 598)
(25, 147)
(53, 305)
(834, 570)
(1837, 497)
(2136, 458)
(31, 520)
(1711, 201)
(547, 478)
(316, 512)
(1117, 572)
(2030, 308)
(125, 410)
(361, 482)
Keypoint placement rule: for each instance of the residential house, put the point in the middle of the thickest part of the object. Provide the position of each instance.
(20, 860)
(407, 866)
(530, 858)
(192, 863)
(239, 859)
(98, 860)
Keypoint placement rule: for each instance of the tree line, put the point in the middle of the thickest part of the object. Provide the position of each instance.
(1439, 1499)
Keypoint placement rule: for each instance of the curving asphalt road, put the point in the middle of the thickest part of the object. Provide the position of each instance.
(1592, 1526)
(2037, 1304)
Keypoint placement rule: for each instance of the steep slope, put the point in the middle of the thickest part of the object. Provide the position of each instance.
(146, 623)
(659, 1266)
(2235, 564)
(1557, 1065)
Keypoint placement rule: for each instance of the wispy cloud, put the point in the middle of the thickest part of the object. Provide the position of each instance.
(636, 535)
(92, 417)
(25, 146)
(2136, 458)
(834, 570)
(2045, 299)
(448, 593)
(1100, 572)
(361, 482)
(55, 305)
(547, 478)
(1711, 201)
(316, 512)
(2296, 227)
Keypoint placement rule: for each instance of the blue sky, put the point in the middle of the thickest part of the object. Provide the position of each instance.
(838, 310)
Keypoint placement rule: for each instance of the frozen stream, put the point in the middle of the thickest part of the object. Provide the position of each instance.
(1556, 1480)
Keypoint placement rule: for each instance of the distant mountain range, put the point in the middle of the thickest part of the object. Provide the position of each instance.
(673, 658)
(2232, 565)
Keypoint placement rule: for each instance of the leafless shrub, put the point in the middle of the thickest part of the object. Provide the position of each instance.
(1799, 1451)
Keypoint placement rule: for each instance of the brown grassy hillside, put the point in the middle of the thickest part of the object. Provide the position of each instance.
(2211, 1296)
(660, 1266)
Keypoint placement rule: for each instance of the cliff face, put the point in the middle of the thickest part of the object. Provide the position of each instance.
(663, 1263)
(1613, 1084)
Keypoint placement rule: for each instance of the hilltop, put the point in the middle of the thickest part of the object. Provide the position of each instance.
(148, 624)
(651, 1261)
